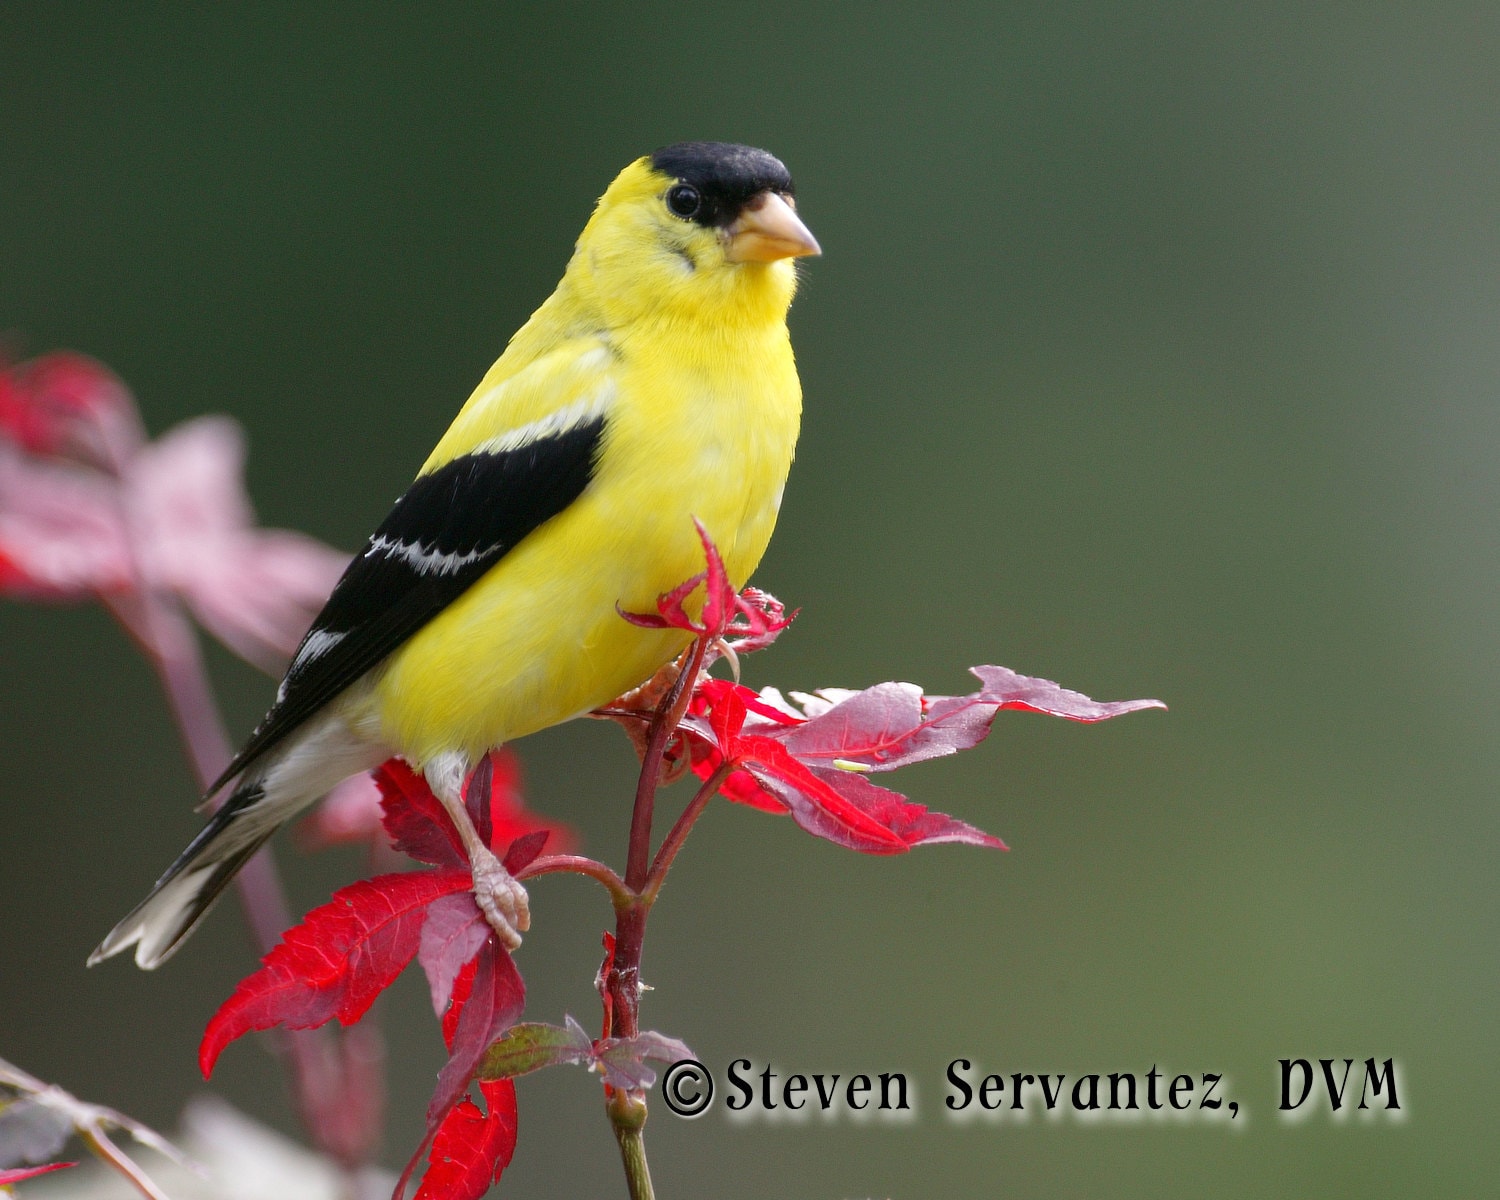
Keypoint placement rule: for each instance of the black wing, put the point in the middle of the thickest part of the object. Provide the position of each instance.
(450, 527)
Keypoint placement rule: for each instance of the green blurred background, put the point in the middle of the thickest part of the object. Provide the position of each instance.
(1155, 350)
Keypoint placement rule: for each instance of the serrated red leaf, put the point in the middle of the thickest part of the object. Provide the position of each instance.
(471, 1149)
(741, 787)
(496, 996)
(334, 964)
(912, 823)
(815, 804)
(488, 997)
(718, 592)
(418, 825)
(893, 725)
(720, 603)
(812, 764)
(414, 819)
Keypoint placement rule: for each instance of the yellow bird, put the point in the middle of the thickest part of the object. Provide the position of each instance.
(655, 385)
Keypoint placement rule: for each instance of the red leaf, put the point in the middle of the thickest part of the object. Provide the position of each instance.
(525, 850)
(892, 724)
(488, 997)
(17, 1174)
(814, 803)
(471, 1149)
(256, 590)
(913, 823)
(419, 826)
(109, 514)
(457, 998)
(741, 787)
(414, 819)
(336, 962)
(720, 604)
(812, 764)
(452, 935)
(494, 1003)
(1044, 696)
(67, 404)
(718, 593)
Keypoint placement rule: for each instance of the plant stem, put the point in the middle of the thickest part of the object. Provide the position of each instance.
(627, 1113)
(664, 724)
(627, 1109)
(549, 864)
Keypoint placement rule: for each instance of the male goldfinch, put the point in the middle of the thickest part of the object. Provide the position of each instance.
(655, 385)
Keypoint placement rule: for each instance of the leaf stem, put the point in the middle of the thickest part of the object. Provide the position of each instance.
(551, 864)
(668, 713)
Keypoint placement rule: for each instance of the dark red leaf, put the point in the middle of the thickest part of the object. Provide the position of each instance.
(488, 997)
(814, 803)
(741, 786)
(478, 792)
(720, 604)
(419, 826)
(718, 592)
(336, 962)
(524, 851)
(17, 1174)
(471, 1149)
(494, 1003)
(414, 819)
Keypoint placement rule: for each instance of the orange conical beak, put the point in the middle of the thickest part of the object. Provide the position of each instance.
(767, 229)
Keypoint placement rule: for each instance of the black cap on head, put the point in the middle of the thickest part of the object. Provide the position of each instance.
(724, 175)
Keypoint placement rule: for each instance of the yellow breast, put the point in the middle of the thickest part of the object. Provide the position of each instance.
(695, 428)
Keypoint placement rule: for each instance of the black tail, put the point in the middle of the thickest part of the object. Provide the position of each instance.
(182, 897)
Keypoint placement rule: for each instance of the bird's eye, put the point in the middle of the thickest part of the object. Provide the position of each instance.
(684, 200)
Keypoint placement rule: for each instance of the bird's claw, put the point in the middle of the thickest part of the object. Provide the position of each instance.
(501, 899)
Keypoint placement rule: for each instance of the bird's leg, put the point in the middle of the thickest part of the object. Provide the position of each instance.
(500, 897)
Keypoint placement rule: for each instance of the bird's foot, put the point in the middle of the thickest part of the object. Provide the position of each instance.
(500, 897)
